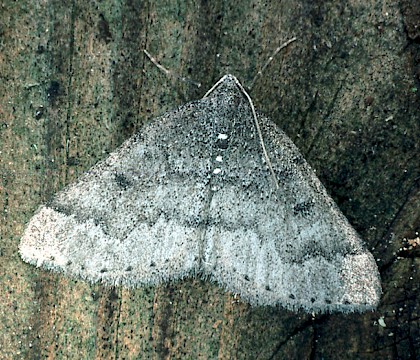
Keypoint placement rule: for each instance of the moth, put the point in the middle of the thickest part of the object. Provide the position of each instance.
(211, 189)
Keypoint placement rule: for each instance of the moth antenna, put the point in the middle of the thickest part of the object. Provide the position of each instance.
(169, 73)
(254, 114)
(257, 125)
(270, 59)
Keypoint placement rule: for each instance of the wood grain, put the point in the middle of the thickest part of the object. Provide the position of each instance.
(75, 83)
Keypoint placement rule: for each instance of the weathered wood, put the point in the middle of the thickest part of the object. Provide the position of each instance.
(75, 83)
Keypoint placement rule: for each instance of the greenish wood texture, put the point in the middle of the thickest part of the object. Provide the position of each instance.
(75, 84)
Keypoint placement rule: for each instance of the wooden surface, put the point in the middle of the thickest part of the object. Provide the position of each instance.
(74, 84)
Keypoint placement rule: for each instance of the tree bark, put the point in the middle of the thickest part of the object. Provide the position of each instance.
(75, 84)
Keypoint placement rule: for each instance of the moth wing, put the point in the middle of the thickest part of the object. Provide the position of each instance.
(134, 218)
(290, 246)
